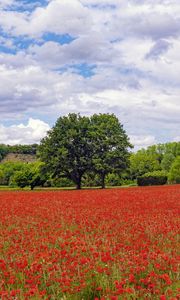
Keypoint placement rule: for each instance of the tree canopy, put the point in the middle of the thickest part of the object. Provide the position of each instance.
(156, 157)
(110, 145)
(77, 144)
(66, 149)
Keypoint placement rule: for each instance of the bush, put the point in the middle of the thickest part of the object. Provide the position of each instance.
(62, 182)
(8, 169)
(113, 179)
(91, 179)
(152, 178)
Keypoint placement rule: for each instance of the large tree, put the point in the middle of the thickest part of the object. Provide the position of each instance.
(79, 144)
(67, 149)
(110, 145)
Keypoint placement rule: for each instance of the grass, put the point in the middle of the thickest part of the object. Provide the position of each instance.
(9, 188)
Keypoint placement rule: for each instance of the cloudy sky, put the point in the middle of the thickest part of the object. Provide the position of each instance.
(90, 56)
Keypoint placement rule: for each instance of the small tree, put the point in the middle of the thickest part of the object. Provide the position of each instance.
(29, 176)
(20, 178)
(8, 169)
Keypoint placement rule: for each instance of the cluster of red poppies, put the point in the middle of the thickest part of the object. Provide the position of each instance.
(90, 244)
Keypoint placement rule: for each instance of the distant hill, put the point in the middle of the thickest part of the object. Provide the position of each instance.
(13, 157)
(24, 153)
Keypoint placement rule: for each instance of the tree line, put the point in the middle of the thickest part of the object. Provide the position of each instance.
(92, 151)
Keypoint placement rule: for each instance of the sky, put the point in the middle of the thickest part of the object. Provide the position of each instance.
(90, 56)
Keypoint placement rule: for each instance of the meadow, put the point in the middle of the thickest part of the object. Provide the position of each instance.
(91, 244)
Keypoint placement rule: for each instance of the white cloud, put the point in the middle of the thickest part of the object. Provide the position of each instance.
(31, 133)
(5, 3)
(142, 141)
(134, 45)
(59, 16)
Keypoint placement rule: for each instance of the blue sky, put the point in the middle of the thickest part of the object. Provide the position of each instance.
(90, 56)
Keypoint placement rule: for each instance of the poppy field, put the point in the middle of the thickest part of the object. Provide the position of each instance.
(90, 244)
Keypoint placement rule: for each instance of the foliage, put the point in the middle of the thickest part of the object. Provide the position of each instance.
(91, 179)
(66, 150)
(152, 178)
(167, 161)
(76, 145)
(142, 162)
(110, 145)
(28, 176)
(8, 169)
(113, 179)
(161, 149)
(156, 157)
(3, 151)
(174, 174)
(61, 182)
(20, 178)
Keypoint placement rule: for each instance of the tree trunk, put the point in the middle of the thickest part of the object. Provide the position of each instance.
(78, 183)
(103, 181)
(32, 186)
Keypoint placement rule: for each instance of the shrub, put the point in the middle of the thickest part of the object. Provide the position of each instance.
(152, 178)
(91, 179)
(113, 179)
(62, 182)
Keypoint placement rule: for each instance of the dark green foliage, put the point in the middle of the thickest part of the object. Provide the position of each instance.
(77, 145)
(152, 178)
(113, 179)
(62, 182)
(91, 179)
(3, 151)
(110, 145)
(23, 149)
(67, 149)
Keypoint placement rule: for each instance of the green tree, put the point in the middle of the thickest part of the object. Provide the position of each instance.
(174, 174)
(3, 151)
(167, 161)
(28, 176)
(143, 162)
(110, 145)
(77, 145)
(9, 168)
(20, 178)
(67, 148)
(1, 177)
